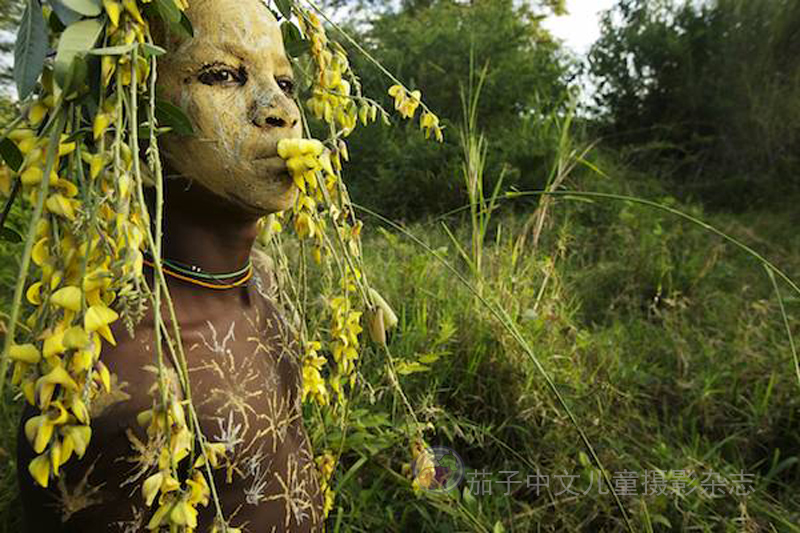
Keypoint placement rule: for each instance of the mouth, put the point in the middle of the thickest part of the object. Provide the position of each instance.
(275, 166)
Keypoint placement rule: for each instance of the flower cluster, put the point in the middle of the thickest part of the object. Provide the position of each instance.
(407, 104)
(345, 328)
(177, 502)
(424, 466)
(326, 464)
(313, 383)
(336, 89)
(305, 159)
(87, 253)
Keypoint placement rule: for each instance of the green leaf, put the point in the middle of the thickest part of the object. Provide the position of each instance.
(77, 39)
(90, 8)
(186, 26)
(498, 527)
(428, 358)
(469, 499)
(78, 135)
(11, 154)
(285, 7)
(293, 40)
(144, 131)
(64, 14)
(9, 235)
(169, 11)
(112, 50)
(31, 48)
(663, 520)
(173, 116)
(151, 50)
(405, 368)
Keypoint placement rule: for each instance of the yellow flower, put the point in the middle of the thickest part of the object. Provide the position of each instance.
(60, 205)
(304, 225)
(98, 318)
(314, 385)
(46, 385)
(81, 361)
(326, 464)
(37, 113)
(40, 253)
(184, 514)
(103, 375)
(76, 337)
(34, 293)
(79, 409)
(53, 342)
(151, 486)
(159, 515)
(113, 9)
(38, 431)
(39, 469)
(26, 353)
(101, 123)
(68, 298)
(133, 9)
(214, 451)
(5, 181)
(409, 105)
(200, 491)
(65, 148)
(78, 438)
(31, 176)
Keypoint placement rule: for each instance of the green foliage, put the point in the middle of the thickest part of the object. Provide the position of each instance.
(708, 92)
(400, 173)
(667, 342)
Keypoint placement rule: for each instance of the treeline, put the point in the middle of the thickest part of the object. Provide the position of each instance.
(705, 95)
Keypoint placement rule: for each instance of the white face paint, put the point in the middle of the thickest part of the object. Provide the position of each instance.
(235, 82)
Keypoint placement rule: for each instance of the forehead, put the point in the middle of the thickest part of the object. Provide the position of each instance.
(242, 28)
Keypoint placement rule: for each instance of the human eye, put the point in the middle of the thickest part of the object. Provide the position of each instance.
(286, 85)
(221, 75)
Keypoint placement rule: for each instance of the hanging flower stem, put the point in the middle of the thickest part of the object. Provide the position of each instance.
(52, 147)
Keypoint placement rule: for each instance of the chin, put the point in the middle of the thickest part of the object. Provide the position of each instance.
(268, 204)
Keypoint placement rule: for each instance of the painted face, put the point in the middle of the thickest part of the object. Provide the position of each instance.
(235, 83)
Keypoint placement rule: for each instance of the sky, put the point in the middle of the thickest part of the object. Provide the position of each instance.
(581, 27)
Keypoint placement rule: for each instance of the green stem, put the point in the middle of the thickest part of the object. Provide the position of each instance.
(785, 321)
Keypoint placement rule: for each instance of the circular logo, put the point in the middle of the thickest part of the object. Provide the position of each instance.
(438, 469)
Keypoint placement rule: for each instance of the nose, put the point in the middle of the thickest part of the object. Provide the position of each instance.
(274, 111)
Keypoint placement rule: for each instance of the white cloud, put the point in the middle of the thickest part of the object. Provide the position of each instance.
(581, 28)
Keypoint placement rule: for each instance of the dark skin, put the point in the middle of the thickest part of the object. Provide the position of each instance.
(204, 230)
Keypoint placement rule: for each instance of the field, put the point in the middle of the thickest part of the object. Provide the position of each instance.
(597, 308)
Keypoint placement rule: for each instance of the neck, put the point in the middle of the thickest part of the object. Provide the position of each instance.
(201, 229)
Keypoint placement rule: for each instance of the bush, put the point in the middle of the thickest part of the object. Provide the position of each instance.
(708, 92)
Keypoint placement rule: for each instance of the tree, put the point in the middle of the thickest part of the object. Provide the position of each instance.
(710, 91)
(435, 47)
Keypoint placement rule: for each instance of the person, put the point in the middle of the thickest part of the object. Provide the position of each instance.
(235, 82)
